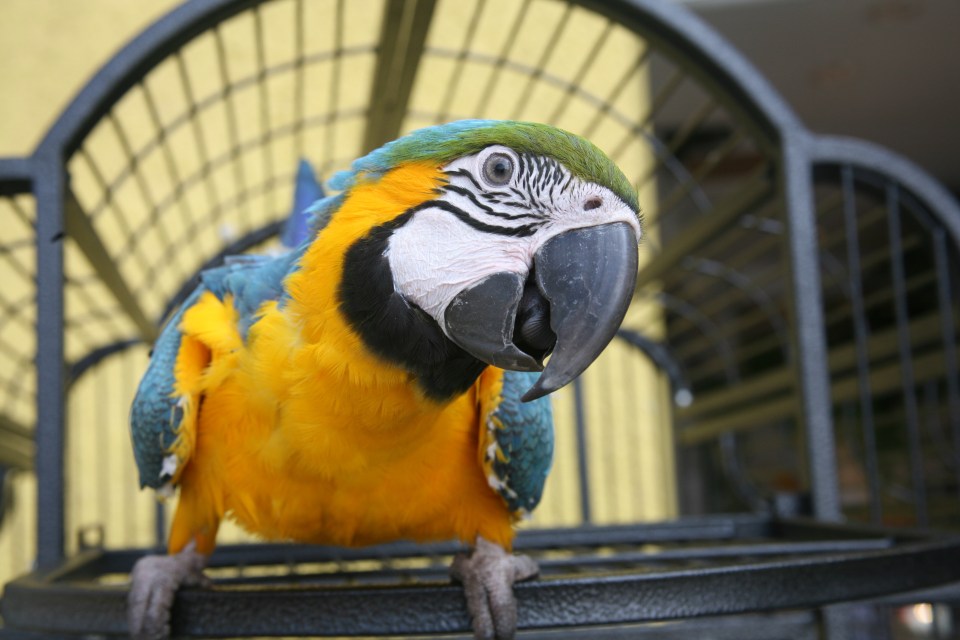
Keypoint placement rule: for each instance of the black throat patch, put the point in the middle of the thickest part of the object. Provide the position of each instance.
(396, 330)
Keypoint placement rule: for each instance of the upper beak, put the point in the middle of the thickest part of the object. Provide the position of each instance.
(578, 292)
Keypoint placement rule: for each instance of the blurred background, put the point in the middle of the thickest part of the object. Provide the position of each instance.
(887, 71)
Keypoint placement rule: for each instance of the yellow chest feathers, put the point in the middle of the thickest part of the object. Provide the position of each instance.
(305, 434)
(342, 455)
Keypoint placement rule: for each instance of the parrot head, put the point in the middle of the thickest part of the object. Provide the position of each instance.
(525, 249)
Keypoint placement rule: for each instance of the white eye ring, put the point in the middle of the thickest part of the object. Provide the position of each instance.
(497, 169)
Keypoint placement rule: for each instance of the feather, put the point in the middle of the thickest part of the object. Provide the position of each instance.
(307, 190)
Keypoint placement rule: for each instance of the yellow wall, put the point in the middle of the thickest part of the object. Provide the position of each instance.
(48, 51)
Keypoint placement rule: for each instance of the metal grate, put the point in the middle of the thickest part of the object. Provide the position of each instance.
(596, 575)
(17, 319)
(890, 272)
(17, 373)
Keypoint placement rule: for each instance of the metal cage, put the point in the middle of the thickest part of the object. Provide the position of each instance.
(795, 324)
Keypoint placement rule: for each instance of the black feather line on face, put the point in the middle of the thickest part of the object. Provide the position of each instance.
(395, 330)
(497, 197)
(543, 167)
(521, 166)
(521, 231)
(481, 189)
(463, 173)
(466, 193)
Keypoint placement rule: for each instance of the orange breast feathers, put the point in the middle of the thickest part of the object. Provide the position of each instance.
(302, 433)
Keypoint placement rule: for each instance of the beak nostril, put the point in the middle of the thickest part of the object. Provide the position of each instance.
(592, 203)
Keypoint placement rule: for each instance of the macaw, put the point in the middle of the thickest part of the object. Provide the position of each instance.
(385, 379)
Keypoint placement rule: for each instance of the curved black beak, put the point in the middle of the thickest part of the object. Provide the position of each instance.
(581, 284)
(587, 275)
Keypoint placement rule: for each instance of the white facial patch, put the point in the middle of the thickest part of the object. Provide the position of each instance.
(483, 224)
(435, 256)
(611, 209)
(564, 200)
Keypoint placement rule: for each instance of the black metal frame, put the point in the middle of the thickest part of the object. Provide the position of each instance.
(619, 574)
(858, 572)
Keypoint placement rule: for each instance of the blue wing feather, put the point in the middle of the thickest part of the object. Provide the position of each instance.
(252, 281)
(307, 190)
(524, 436)
(156, 414)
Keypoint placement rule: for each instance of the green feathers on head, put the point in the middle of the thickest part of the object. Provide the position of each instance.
(444, 143)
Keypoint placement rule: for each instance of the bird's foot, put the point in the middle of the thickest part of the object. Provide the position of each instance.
(153, 584)
(488, 575)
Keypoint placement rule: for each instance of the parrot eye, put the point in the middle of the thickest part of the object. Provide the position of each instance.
(498, 169)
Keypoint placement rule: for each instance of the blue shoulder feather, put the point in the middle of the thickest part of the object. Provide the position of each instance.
(156, 413)
(252, 281)
(523, 432)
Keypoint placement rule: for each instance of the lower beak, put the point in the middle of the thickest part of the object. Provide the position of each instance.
(578, 292)
(481, 320)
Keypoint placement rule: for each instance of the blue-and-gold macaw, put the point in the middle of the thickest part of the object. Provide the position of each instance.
(380, 381)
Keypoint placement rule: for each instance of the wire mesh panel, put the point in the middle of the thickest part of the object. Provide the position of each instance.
(17, 312)
(614, 459)
(666, 572)
(890, 268)
(17, 384)
(202, 151)
(727, 317)
(103, 506)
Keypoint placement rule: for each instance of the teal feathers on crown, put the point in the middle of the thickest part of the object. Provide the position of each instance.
(446, 142)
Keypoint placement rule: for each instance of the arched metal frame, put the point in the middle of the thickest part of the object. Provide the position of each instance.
(797, 151)
(718, 64)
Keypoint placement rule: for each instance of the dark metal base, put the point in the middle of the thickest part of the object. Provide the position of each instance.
(590, 576)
